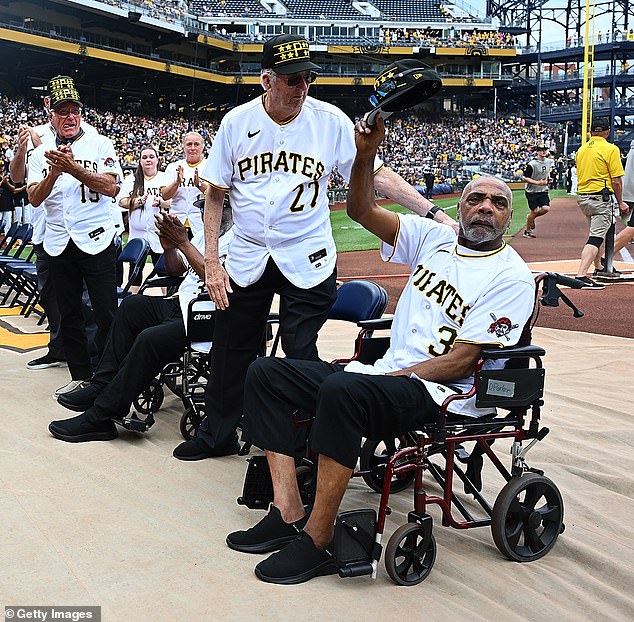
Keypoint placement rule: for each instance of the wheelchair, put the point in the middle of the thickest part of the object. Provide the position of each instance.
(356, 300)
(186, 378)
(526, 517)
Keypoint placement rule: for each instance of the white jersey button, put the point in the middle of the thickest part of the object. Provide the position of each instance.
(272, 203)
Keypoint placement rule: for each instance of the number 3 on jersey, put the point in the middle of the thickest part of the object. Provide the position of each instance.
(296, 206)
(448, 335)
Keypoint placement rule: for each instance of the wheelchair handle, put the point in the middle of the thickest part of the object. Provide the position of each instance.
(551, 292)
(567, 281)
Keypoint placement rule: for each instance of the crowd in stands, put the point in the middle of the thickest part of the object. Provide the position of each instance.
(414, 145)
(173, 11)
(433, 38)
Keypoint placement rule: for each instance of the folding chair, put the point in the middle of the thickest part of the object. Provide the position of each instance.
(134, 253)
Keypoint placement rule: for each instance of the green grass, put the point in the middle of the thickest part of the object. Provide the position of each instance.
(350, 236)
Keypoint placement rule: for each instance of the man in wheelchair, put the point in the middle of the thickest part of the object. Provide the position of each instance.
(463, 294)
(147, 333)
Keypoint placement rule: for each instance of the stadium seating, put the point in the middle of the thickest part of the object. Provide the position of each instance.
(334, 9)
(410, 10)
(236, 8)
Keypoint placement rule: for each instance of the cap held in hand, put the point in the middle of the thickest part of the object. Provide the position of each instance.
(402, 85)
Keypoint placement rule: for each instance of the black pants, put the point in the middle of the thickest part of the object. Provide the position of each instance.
(69, 271)
(239, 334)
(48, 301)
(346, 407)
(146, 334)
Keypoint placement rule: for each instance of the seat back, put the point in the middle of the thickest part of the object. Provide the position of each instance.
(358, 300)
(135, 253)
(22, 238)
(9, 238)
(200, 323)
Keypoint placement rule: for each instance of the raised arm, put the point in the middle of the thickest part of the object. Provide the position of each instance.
(362, 206)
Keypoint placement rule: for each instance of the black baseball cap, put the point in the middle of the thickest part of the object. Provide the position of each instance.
(62, 89)
(600, 124)
(287, 54)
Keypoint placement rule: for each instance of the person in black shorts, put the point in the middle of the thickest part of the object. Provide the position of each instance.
(537, 178)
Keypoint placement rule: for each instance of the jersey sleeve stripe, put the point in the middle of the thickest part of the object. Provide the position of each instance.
(226, 189)
(398, 230)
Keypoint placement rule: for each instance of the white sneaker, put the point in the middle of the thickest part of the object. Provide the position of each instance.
(71, 386)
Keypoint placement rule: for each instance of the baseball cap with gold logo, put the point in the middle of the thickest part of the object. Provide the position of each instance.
(62, 89)
(287, 54)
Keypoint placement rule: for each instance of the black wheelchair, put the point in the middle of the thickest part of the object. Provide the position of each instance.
(526, 517)
(356, 300)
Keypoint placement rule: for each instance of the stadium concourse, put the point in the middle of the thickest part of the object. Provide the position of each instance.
(124, 526)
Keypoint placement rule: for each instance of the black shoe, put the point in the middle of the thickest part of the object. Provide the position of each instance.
(270, 534)
(297, 562)
(46, 361)
(79, 430)
(589, 283)
(81, 399)
(528, 234)
(197, 449)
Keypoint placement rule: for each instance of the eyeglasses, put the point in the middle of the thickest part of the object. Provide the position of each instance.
(296, 78)
(76, 112)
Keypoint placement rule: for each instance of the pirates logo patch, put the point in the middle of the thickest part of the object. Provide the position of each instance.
(501, 327)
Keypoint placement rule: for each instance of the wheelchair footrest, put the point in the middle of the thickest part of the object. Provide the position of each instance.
(257, 490)
(355, 569)
(355, 547)
(134, 423)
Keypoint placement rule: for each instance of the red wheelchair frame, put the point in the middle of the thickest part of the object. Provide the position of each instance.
(521, 530)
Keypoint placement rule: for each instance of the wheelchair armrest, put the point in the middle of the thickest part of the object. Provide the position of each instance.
(161, 281)
(381, 323)
(513, 352)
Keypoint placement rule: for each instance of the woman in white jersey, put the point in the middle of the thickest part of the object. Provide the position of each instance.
(141, 196)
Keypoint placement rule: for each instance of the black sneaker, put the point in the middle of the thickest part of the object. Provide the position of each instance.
(297, 562)
(197, 449)
(588, 283)
(528, 234)
(79, 430)
(81, 399)
(46, 361)
(270, 534)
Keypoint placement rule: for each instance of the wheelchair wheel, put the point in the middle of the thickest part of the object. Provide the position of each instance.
(527, 517)
(373, 458)
(405, 560)
(190, 422)
(150, 399)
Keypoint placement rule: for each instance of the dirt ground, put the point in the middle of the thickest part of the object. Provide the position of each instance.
(561, 235)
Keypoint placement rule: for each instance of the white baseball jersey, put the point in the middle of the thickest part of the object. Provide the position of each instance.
(141, 220)
(454, 294)
(72, 210)
(47, 135)
(277, 179)
(183, 200)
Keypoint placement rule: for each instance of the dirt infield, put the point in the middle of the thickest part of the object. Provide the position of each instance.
(561, 235)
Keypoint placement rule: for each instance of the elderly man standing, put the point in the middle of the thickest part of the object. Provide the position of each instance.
(74, 178)
(274, 155)
(186, 186)
(600, 174)
(442, 322)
